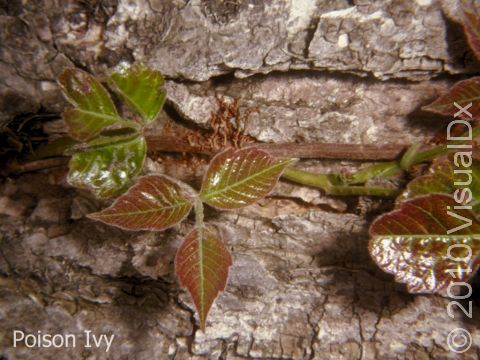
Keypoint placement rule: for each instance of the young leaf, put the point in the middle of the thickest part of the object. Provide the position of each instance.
(463, 93)
(201, 265)
(107, 170)
(141, 88)
(153, 203)
(413, 243)
(94, 109)
(99, 141)
(441, 178)
(237, 178)
(471, 25)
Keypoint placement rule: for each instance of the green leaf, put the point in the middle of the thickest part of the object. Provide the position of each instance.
(94, 109)
(463, 93)
(108, 170)
(141, 88)
(237, 178)
(441, 178)
(471, 25)
(414, 244)
(100, 141)
(153, 203)
(201, 264)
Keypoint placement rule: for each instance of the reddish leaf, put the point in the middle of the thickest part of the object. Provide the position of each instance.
(412, 243)
(201, 265)
(153, 203)
(438, 180)
(441, 178)
(471, 25)
(237, 178)
(463, 93)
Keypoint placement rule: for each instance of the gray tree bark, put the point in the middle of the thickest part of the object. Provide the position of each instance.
(302, 285)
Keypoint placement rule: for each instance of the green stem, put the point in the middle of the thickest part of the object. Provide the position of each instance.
(411, 157)
(385, 169)
(198, 208)
(324, 182)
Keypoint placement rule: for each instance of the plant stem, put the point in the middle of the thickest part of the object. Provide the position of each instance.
(376, 170)
(171, 143)
(411, 157)
(324, 182)
(198, 208)
(14, 167)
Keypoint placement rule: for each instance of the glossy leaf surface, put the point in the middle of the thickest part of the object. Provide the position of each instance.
(463, 93)
(153, 203)
(107, 170)
(441, 178)
(201, 264)
(471, 25)
(94, 109)
(141, 88)
(413, 243)
(237, 178)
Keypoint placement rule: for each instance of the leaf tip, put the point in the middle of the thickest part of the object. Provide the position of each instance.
(97, 216)
(202, 264)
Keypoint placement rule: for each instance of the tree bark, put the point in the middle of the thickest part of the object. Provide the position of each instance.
(302, 285)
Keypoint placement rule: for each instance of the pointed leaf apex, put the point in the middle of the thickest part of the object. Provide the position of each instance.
(471, 25)
(237, 178)
(94, 109)
(142, 89)
(201, 265)
(153, 203)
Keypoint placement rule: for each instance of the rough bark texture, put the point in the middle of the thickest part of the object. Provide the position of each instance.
(302, 285)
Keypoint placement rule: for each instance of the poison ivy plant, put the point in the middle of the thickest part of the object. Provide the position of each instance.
(426, 245)
(94, 109)
(106, 162)
(441, 178)
(237, 178)
(153, 203)
(201, 264)
(431, 240)
(467, 91)
(139, 87)
(107, 170)
(111, 153)
(471, 25)
(234, 179)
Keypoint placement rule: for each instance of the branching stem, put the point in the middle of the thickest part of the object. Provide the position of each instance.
(338, 185)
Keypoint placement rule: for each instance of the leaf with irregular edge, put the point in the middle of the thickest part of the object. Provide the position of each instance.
(471, 25)
(141, 88)
(412, 243)
(463, 93)
(201, 264)
(94, 109)
(237, 178)
(108, 170)
(441, 179)
(153, 203)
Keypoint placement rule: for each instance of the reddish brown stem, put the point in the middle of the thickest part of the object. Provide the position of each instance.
(303, 151)
(36, 165)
